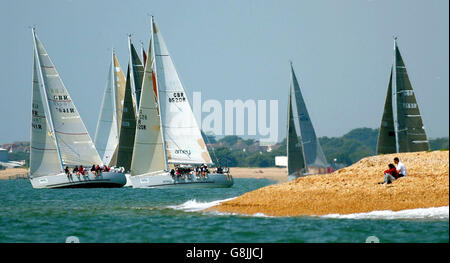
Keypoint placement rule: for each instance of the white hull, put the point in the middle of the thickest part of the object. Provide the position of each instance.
(105, 180)
(164, 180)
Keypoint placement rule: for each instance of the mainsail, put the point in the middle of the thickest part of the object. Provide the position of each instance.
(44, 157)
(182, 137)
(107, 134)
(295, 155)
(136, 75)
(411, 136)
(148, 152)
(311, 147)
(119, 88)
(127, 129)
(404, 130)
(75, 144)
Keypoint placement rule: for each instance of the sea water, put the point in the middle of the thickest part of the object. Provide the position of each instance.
(177, 215)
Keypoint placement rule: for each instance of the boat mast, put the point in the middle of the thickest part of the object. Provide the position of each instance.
(153, 58)
(45, 95)
(394, 97)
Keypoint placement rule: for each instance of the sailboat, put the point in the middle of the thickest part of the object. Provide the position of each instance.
(401, 128)
(58, 136)
(304, 153)
(166, 132)
(108, 128)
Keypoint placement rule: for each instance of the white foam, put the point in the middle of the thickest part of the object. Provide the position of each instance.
(419, 213)
(261, 215)
(194, 205)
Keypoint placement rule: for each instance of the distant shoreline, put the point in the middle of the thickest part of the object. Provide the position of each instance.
(13, 173)
(272, 173)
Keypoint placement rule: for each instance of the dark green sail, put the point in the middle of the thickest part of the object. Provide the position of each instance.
(296, 160)
(137, 75)
(386, 136)
(314, 155)
(127, 128)
(411, 136)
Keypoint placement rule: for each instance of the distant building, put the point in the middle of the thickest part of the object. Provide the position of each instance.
(281, 161)
(3, 155)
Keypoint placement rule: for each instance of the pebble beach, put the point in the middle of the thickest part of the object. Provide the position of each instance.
(353, 189)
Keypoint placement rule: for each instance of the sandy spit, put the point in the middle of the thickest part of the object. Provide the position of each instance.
(5, 174)
(353, 189)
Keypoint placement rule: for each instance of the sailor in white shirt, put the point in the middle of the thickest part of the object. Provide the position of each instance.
(401, 168)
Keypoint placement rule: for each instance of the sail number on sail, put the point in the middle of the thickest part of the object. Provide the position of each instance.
(177, 97)
(142, 117)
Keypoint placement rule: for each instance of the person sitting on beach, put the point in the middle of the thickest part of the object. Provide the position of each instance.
(390, 174)
(401, 168)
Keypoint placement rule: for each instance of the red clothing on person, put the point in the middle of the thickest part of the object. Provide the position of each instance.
(392, 172)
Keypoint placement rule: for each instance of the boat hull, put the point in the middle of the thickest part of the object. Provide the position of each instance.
(105, 180)
(164, 180)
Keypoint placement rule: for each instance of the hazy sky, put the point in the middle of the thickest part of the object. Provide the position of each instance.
(342, 52)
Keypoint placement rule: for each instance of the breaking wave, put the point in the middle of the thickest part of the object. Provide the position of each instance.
(418, 213)
(195, 206)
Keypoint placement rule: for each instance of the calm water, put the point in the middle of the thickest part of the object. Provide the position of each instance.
(155, 215)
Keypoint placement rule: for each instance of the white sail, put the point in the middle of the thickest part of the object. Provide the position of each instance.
(183, 140)
(75, 144)
(107, 135)
(148, 151)
(44, 157)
